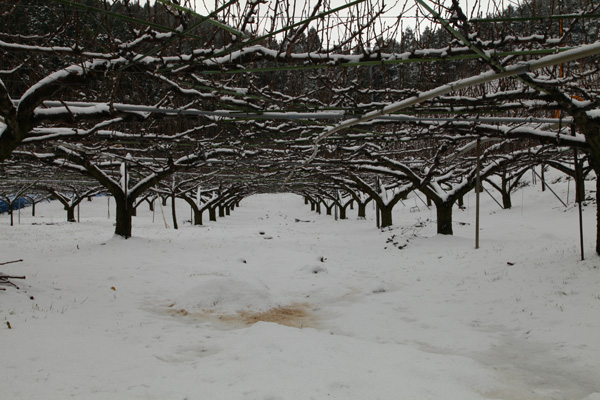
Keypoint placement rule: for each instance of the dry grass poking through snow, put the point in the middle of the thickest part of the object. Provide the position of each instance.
(295, 315)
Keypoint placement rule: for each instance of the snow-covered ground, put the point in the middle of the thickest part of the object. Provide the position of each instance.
(277, 302)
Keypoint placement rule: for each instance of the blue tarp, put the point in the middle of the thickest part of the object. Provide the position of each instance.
(17, 203)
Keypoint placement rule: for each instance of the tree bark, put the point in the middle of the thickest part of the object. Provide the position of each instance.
(506, 200)
(71, 213)
(386, 215)
(197, 212)
(212, 213)
(444, 218)
(124, 217)
(329, 208)
(343, 212)
(197, 217)
(173, 211)
(362, 210)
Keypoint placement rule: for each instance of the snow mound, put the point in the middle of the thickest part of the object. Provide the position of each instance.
(226, 295)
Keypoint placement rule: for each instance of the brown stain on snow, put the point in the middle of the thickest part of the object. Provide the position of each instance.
(296, 315)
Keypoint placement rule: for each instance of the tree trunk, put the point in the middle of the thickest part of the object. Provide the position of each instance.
(580, 190)
(71, 214)
(227, 210)
(123, 223)
(328, 209)
(312, 206)
(543, 178)
(505, 191)
(212, 213)
(444, 218)
(362, 210)
(579, 185)
(506, 200)
(221, 211)
(386, 216)
(343, 212)
(173, 211)
(195, 211)
(197, 216)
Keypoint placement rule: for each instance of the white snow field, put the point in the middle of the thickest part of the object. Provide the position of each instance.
(259, 305)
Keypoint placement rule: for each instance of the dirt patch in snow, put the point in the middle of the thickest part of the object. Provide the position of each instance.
(296, 315)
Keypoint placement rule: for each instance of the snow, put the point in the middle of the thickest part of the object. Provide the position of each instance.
(593, 113)
(361, 313)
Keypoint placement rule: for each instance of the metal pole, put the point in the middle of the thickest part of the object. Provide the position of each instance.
(378, 183)
(125, 185)
(577, 188)
(493, 198)
(477, 190)
(548, 186)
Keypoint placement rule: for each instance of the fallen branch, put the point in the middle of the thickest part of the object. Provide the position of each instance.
(11, 262)
(4, 279)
